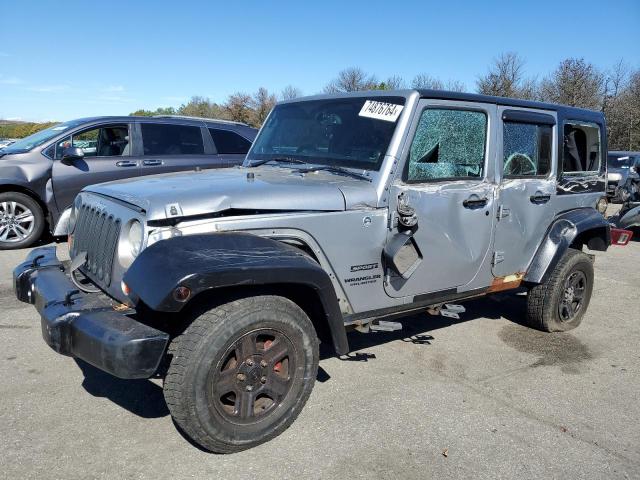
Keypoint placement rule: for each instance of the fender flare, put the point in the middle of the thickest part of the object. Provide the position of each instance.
(629, 218)
(568, 227)
(209, 261)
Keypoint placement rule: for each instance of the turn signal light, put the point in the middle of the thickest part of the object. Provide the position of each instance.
(620, 237)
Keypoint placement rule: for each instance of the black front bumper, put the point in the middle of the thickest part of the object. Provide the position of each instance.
(84, 325)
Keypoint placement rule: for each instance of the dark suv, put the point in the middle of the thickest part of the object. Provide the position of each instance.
(623, 179)
(40, 175)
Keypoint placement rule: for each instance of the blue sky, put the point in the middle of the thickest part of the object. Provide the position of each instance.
(65, 59)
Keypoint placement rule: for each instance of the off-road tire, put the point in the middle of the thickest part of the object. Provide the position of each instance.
(543, 301)
(39, 222)
(200, 350)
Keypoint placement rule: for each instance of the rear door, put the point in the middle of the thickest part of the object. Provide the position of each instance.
(172, 147)
(230, 145)
(526, 171)
(107, 156)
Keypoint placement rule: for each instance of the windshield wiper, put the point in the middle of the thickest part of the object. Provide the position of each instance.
(335, 169)
(277, 159)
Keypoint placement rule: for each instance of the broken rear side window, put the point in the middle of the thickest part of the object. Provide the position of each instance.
(581, 152)
(526, 149)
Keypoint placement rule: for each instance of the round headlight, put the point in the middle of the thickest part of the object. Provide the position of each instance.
(135, 237)
(601, 206)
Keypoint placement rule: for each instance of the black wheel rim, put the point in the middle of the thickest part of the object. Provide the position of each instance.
(253, 378)
(572, 297)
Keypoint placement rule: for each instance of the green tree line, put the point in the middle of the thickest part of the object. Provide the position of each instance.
(21, 129)
(574, 82)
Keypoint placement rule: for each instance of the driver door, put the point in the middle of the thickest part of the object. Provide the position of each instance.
(527, 159)
(447, 184)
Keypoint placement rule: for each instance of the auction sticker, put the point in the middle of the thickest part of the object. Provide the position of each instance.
(381, 110)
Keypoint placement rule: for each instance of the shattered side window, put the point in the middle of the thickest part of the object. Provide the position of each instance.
(526, 149)
(448, 144)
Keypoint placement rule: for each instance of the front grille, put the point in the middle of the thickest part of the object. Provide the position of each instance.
(96, 233)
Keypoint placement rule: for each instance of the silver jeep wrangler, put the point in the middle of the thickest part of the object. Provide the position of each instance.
(349, 210)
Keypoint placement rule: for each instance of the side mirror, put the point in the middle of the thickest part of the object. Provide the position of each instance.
(402, 254)
(70, 154)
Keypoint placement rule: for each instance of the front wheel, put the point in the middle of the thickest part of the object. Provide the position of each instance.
(21, 221)
(559, 304)
(241, 372)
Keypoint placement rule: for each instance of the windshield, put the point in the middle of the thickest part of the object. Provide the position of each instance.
(614, 161)
(349, 132)
(32, 141)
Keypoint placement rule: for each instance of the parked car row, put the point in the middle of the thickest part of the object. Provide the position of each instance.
(349, 211)
(40, 175)
(5, 142)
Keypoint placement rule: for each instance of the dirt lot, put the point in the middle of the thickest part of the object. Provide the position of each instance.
(482, 397)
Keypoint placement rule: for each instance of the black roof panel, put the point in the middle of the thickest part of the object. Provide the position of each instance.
(512, 102)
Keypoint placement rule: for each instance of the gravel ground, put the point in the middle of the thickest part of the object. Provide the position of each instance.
(482, 397)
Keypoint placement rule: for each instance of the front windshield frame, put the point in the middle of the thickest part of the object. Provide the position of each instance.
(323, 115)
(41, 137)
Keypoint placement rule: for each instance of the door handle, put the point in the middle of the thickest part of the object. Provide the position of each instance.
(151, 163)
(126, 163)
(475, 202)
(539, 198)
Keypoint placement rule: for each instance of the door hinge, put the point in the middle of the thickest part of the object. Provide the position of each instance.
(498, 257)
(503, 212)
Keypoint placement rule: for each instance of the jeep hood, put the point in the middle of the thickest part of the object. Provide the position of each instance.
(267, 188)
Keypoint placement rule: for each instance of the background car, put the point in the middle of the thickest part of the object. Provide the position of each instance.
(623, 178)
(41, 174)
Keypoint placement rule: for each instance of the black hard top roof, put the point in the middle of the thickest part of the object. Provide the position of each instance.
(565, 110)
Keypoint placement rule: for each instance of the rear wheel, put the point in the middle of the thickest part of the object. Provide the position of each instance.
(241, 373)
(21, 220)
(559, 304)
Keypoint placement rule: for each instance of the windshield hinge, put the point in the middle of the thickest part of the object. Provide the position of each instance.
(392, 222)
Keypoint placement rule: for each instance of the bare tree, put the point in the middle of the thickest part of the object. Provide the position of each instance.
(506, 78)
(394, 82)
(455, 86)
(423, 80)
(576, 83)
(262, 103)
(290, 92)
(616, 105)
(630, 130)
(351, 80)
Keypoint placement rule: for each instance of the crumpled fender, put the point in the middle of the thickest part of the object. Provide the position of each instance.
(209, 261)
(561, 234)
